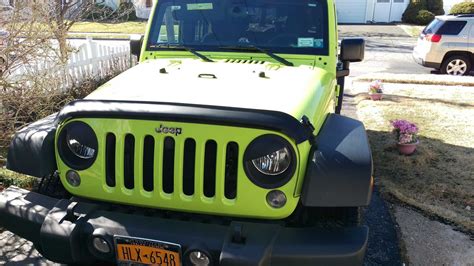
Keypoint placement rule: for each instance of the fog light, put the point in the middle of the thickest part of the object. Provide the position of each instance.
(198, 258)
(276, 199)
(73, 178)
(101, 245)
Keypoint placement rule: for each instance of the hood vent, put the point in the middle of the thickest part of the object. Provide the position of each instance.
(244, 61)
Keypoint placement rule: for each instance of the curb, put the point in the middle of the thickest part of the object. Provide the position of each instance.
(420, 79)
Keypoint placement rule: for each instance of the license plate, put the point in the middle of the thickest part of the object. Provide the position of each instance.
(132, 250)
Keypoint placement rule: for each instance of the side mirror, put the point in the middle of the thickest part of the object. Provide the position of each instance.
(136, 42)
(352, 50)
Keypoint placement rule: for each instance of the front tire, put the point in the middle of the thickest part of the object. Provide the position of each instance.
(457, 65)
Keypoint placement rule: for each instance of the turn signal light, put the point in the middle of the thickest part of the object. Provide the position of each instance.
(433, 37)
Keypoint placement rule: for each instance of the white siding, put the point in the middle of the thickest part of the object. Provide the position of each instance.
(351, 11)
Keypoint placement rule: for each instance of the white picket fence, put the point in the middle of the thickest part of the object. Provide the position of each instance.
(93, 60)
(90, 60)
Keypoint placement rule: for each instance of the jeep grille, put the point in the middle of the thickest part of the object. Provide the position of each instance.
(199, 170)
(162, 156)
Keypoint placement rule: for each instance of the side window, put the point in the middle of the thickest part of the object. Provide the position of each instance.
(452, 27)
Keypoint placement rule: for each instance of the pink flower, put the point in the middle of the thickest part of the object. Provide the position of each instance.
(376, 87)
(405, 130)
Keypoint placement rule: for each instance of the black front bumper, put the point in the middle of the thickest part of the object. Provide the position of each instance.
(63, 231)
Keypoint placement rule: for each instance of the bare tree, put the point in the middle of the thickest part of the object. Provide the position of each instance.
(61, 17)
(64, 13)
(27, 40)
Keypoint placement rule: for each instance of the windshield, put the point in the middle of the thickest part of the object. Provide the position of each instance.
(279, 26)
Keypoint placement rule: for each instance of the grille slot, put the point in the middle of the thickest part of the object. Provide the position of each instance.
(148, 159)
(168, 165)
(189, 160)
(210, 157)
(110, 143)
(129, 161)
(231, 166)
(172, 165)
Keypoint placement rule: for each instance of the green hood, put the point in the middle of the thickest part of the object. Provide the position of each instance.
(230, 83)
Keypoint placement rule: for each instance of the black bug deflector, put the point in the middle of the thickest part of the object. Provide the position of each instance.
(178, 112)
(64, 230)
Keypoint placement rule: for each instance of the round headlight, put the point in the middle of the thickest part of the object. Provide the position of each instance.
(269, 161)
(80, 150)
(77, 145)
(274, 163)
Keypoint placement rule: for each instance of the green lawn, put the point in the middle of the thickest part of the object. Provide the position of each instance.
(412, 30)
(131, 27)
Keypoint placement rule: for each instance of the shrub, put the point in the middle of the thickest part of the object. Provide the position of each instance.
(422, 11)
(424, 17)
(435, 7)
(99, 12)
(409, 16)
(463, 8)
(21, 105)
(126, 12)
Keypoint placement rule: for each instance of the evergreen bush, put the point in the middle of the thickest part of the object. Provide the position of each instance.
(463, 8)
(422, 12)
(435, 6)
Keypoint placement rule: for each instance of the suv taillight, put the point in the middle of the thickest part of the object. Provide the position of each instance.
(433, 37)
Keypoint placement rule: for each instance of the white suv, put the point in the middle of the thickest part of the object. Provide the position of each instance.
(447, 44)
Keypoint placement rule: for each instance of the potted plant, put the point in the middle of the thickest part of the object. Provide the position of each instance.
(376, 90)
(406, 135)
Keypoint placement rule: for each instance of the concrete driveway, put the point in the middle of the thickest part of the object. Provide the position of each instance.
(388, 49)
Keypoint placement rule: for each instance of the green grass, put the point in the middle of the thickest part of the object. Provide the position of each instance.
(131, 27)
(412, 30)
(100, 36)
(9, 178)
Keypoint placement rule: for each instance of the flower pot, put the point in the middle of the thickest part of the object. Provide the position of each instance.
(376, 96)
(407, 149)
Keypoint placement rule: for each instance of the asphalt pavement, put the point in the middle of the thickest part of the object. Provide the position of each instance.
(383, 247)
(388, 50)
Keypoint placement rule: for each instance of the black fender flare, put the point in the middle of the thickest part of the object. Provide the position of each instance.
(31, 151)
(340, 168)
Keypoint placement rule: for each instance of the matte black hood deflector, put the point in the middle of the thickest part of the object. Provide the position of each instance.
(177, 112)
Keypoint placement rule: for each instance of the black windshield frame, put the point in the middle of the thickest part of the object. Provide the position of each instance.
(158, 18)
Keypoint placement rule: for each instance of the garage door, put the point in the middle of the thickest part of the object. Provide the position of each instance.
(351, 11)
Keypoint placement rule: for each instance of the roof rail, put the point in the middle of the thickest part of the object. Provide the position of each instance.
(463, 15)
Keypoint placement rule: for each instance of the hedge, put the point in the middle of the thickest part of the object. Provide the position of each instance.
(421, 12)
(463, 8)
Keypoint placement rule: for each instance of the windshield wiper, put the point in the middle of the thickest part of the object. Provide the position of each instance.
(259, 49)
(184, 48)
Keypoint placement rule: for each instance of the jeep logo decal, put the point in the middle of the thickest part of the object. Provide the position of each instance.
(169, 130)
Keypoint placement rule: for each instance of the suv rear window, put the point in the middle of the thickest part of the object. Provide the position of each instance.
(433, 26)
(452, 27)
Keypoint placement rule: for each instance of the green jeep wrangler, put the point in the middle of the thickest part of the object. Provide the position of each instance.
(223, 146)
